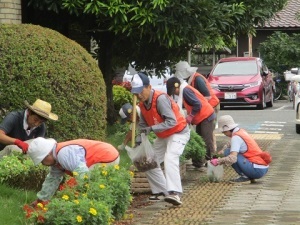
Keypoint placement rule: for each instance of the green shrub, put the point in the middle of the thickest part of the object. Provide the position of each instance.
(18, 171)
(121, 96)
(195, 148)
(38, 62)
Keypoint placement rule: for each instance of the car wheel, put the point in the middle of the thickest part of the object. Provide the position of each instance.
(262, 105)
(298, 128)
(271, 102)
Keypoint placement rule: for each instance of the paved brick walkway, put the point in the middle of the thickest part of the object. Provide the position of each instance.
(274, 199)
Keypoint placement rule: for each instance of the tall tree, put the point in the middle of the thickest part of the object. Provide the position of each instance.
(156, 33)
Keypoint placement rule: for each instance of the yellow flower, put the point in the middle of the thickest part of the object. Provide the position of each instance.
(85, 177)
(130, 216)
(93, 211)
(45, 209)
(79, 219)
(104, 172)
(103, 165)
(87, 185)
(40, 205)
(117, 167)
(76, 202)
(102, 186)
(84, 195)
(65, 197)
(131, 174)
(75, 174)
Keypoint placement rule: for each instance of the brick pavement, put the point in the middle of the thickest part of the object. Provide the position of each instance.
(274, 199)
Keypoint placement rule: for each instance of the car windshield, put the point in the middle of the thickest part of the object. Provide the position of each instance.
(236, 68)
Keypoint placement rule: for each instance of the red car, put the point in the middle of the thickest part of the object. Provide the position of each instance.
(242, 81)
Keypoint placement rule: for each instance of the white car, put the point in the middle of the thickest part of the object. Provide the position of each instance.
(156, 82)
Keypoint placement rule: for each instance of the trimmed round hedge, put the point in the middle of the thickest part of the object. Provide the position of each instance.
(38, 62)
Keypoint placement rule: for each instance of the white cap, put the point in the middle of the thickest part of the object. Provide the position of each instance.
(226, 123)
(184, 70)
(39, 148)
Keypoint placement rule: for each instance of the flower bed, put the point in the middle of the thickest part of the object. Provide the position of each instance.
(101, 197)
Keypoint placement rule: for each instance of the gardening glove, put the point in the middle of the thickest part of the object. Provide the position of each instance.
(189, 119)
(146, 130)
(21, 144)
(121, 147)
(215, 162)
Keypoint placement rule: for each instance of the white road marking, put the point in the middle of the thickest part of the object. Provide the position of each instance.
(281, 108)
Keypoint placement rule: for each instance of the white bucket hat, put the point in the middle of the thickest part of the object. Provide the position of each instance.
(39, 148)
(226, 123)
(184, 70)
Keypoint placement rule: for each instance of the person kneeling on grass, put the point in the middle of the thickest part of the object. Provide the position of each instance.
(243, 153)
(79, 156)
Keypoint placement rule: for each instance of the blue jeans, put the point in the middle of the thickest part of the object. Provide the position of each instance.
(244, 167)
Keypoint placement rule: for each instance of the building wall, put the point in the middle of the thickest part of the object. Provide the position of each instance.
(261, 36)
(10, 12)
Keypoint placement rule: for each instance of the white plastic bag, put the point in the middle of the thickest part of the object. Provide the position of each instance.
(143, 156)
(215, 173)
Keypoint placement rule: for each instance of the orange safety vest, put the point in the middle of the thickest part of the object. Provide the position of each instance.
(95, 151)
(152, 117)
(213, 101)
(205, 111)
(254, 154)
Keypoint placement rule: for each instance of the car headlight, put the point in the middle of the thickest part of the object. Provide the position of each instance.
(254, 84)
(214, 86)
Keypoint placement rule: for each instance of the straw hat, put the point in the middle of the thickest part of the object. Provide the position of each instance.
(42, 108)
(226, 123)
(39, 148)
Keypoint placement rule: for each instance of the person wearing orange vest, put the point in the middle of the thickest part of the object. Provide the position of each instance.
(243, 153)
(198, 81)
(199, 111)
(79, 156)
(160, 114)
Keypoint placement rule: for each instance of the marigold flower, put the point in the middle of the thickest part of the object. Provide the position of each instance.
(75, 174)
(104, 172)
(84, 195)
(76, 202)
(117, 167)
(102, 186)
(131, 174)
(93, 211)
(103, 165)
(65, 197)
(79, 219)
(85, 177)
(40, 205)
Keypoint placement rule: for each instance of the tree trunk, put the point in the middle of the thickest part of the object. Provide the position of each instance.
(105, 64)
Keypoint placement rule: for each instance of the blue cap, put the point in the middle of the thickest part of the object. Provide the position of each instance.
(138, 82)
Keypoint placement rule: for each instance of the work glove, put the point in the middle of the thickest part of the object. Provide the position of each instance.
(214, 162)
(34, 203)
(121, 147)
(21, 144)
(189, 119)
(146, 130)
